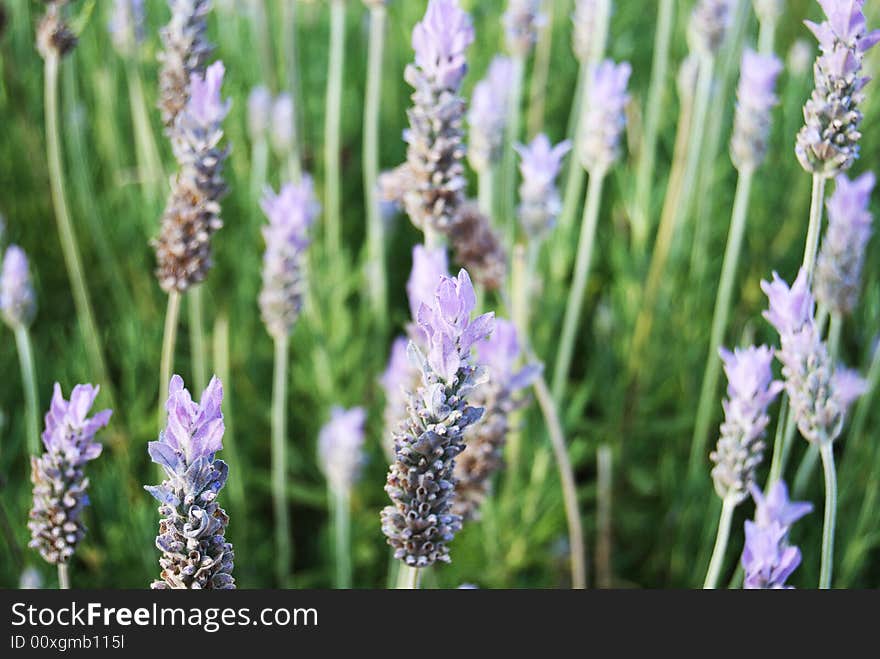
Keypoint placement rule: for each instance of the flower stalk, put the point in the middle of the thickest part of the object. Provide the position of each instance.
(332, 126)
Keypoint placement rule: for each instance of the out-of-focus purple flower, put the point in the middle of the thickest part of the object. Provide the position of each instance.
(340, 448)
(440, 40)
(195, 554)
(500, 352)
(828, 142)
(848, 387)
(399, 378)
(30, 579)
(291, 213)
(259, 113)
(750, 390)
(540, 204)
(282, 128)
(487, 115)
(709, 25)
(127, 25)
(776, 507)
(605, 119)
(205, 105)
(755, 98)
(58, 475)
(767, 558)
(18, 304)
(840, 261)
(428, 266)
(522, 20)
(790, 307)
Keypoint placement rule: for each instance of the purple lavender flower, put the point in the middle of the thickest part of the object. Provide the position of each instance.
(500, 397)
(740, 449)
(839, 265)
(810, 379)
(127, 26)
(776, 507)
(709, 25)
(185, 53)
(540, 203)
(428, 266)
(522, 20)
(755, 99)
(420, 525)
(195, 554)
(340, 448)
(435, 141)
(604, 120)
(828, 142)
(58, 475)
(487, 116)
(259, 114)
(281, 129)
(18, 304)
(291, 213)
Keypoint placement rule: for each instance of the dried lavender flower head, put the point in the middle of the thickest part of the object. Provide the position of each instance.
(604, 119)
(487, 116)
(340, 448)
(540, 203)
(419, 524)
(185, 52)
(291, 214)
(522, 20)
(58, 475)
(477, 246)
(126, 26)
(195, 554)
(18, 304)
(282, 130)
(828, 142)
(709, 25)
(840, 261)
(740, 449)
(54, 36)
(755, 98)
(428, 267)
(259, 114)
(440, 40)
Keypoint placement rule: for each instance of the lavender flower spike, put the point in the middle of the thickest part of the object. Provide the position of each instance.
(435, 146)
(540, 203)
(522, 20)
(755, 98)
(420, 523)
(709, 25)
(185, 53)
(604, 120)
(487, 116)
(58, 475)
(839, 265)
(340, 448)
(291, 213)
(740, 449)
(195, 555)
(828, 142)
(18, 304)
(500, 397)
(819, 395)
(127, 26)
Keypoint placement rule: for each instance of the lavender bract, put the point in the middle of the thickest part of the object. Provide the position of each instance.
(340, 448)
(604, 119)
(18, 304)
(60, 483)
(740, 449)
(776, 507)
(487, 116)
(842, 255)
(291, 213)
(755, 98)
(420, 524)
(540, 202)
(828, 142)
(195, 554)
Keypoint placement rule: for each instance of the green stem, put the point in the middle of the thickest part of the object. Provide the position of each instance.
(259, 167)
(69, 245)
(63, 576)
(865, 404)
(29, 381)
(486, 193)
(826, 450)
(604, 494)
(717, 562)
(376, 269)
(197, 337)
(261, 29)
(653, 107)
(779, 443)
(815, 228)
(169, 338)
(579, 283)
(342, 522)
(508, 172)
(540, 72)
(719, 321)
(283, 539)
(147, 152)
(766, 34)
(409, 578)
(333, 238)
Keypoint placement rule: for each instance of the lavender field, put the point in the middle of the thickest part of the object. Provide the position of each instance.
(439, 294)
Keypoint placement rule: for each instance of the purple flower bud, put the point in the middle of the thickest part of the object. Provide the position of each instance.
(259, 113)
(604, 120)
(522, 19)
(59, 474)
(127, 25)
(750, 390)
(429, 266)
(282, 129)
(340, 448)
(440, 41)
(790, 308)
(18, 303)
(839, 265)
(776, 507)
(767, 558)
(487, 116)
(755, 98)
(540, 204)
(291, 213)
